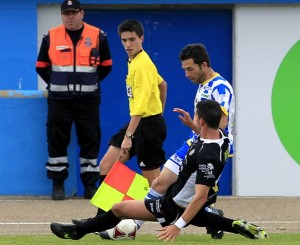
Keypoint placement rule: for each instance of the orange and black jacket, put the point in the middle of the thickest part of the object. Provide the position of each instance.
(74, 62)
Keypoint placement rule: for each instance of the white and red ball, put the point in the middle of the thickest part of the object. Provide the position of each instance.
(125, 230)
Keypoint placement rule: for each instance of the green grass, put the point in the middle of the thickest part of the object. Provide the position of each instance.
(229, 239)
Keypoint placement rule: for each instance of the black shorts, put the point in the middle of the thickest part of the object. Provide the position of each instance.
(164, 209)
(147, 143)
(167, 212)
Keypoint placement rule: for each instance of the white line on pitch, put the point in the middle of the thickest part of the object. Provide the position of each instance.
(24, 223)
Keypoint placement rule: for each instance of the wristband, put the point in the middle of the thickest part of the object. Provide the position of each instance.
(180, 223)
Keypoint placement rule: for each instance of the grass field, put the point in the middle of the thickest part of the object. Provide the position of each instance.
(186, 239)
(26, 222)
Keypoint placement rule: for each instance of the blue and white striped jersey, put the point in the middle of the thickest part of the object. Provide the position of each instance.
(219, 89)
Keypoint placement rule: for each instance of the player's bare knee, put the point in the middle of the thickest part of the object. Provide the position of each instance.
(156, 183)
(118, 210)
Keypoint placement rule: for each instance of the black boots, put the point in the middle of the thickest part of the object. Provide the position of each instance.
(90, 184)
(58, 190)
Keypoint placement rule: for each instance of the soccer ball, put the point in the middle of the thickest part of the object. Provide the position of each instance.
(125, 230)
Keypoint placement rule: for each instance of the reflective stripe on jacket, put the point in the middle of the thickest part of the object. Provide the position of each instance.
(71, 69)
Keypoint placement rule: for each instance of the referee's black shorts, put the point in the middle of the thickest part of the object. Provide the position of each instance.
(147, 143)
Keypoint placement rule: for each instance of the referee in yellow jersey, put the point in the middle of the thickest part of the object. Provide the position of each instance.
(146, 132)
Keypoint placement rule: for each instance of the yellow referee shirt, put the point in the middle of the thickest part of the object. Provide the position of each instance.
(142, 86)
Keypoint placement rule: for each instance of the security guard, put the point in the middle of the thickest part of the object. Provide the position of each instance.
(73, 58)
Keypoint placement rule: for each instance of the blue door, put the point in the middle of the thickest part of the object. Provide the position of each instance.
(166, 33)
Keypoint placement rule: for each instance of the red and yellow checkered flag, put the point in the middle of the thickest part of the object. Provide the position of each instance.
(121, 183)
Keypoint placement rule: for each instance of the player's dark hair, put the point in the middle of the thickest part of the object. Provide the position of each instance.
(195, 51)
(210, 111)
(131, 26)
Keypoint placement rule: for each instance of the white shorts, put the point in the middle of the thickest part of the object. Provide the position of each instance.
(174, 163)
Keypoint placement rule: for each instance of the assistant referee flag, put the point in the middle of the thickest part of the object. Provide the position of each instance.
(121, 183)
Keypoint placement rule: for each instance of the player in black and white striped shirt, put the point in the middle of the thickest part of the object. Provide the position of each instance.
(185, 201)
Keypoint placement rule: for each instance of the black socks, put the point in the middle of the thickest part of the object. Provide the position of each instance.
(99, 223)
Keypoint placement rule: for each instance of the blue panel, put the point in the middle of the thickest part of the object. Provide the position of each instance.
(23, 153)
(165, 35)
(18, 47)
(166, 2)
(23, 131)
(225, 183)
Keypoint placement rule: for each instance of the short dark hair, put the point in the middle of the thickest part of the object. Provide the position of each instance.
(210, 111)
(195, 51)
(131, 25)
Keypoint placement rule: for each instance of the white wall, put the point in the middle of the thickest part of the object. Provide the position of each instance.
(48, 17)
(264, 34)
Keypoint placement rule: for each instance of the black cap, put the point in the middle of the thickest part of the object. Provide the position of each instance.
(70, 5)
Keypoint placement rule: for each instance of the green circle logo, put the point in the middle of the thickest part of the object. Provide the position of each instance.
(286, 102)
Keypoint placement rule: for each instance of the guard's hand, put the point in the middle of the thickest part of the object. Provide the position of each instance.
(168, 233)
